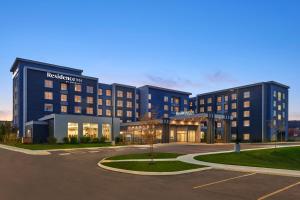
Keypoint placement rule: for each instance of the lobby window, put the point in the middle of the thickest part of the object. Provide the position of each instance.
(233, 106)
(119, 93)
(119, 113)
(166, 99)
(48, 84)
(149, 115)
(108, 102)
(63, 97)
(246, 104)
(108, 93)
(246, 123)
(226, 98)
(233, 124)
(185, 102)
(77, 99)
(77, 88)
(209, 100)
(100, 102)
(209, 108)
(89, 110)
(120, 103)
(202, 109)
(166, 115)
(100, 92)
(246, 136)
(63, 109)
(48, 95)
(219, 99)
(72, 129)
(77, 109)
(90, 130)
(219, 108)
(48, 107)
(226, 107)
(100, 112)
(129, 104)
(63, 86)
(166, 107)
(234, 96)
(234, 114)
(108, 113)
(106, 132)
(129, 95)
(247, 94)
(90, 100)
(149, 105)
(129, 113)
(149, 96)
(201, 101)
(247, 113)
(90, 89)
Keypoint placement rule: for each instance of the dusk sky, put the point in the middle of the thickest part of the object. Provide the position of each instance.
(195, 46)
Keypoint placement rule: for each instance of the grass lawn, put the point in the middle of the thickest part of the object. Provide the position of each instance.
(58, 146)
(280, 158)
(159, 166)
(145, 156)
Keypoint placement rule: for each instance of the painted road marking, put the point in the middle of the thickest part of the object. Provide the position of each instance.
(93, 151)
(64, 154)
(225, 180)
(278, 191)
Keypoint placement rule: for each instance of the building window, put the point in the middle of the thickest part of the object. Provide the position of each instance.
(219, 99)
(108, 102)
(120, 103)
(119, 93)
(119, 113)
(63, 97)
(77, 109)
(283, 114)
(233, 124)
(185, 102)
(283, 96)
(89, 110)
(246, 136)
(90, 130)
(129, 104)
(106, 132)
(209, 108)
(48, 107)
(279, 107)
(137, 105)
(149, 115)
(77, 88)
(166, 115)
(274, 113)
(64, 109)
(202, 109)
(274, 104)
(129, 113)
(246, 104)
(275, 93)
(108, 113)
(279, 117)
(247, 113)
(176, 108)
(48, 84)
(234, 96)
(219, 108)
(72, 129)
(279, 96)
(209, 100)
(234, 114)
(90, 89)
(166, 99)
(246, 123)
(283, 106)
(100, 102)
(226, 98)
(226, 107)
(129, 95)
(166, 107)
(149, 105)
(137, 96)
(100, 112)
(48, 95)
(63, 86)
(233, 106)
(108, 93)
(90, 100)
(219, 125)
(201, 101)
(77, 99)
(247, 94)
(99, 91)
(136, 114)
(149, 96)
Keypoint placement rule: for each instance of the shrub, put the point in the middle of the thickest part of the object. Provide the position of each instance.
(73, 140)
(85, 139)
(118, 139)
(66, 140)
(51, 140)
(95, 140)
(102, 139)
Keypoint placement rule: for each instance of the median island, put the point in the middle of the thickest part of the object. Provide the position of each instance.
(278, 158)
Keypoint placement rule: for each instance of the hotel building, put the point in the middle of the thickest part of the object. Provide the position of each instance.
(53, 100)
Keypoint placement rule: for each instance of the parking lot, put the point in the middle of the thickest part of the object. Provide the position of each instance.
(75, 175)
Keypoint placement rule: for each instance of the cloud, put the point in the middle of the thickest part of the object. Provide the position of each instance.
(5, 115)
(220, 77)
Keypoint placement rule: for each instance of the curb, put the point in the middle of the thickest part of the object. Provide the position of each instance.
(25, 151)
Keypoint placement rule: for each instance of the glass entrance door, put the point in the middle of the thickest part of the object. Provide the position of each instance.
(181, 136)
(191, 136)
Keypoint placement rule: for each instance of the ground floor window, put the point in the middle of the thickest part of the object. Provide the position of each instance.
(72, 129)
(90, 130)
(106, 131)
(191, 136)
(181, 136)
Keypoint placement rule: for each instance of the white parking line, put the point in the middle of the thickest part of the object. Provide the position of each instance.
(64, 154)
(93, 151)
(278, 191)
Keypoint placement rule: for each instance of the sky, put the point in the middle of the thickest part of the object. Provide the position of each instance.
(195, 46)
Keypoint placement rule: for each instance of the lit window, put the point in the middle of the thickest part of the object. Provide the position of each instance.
(77, 109)
(63, 109)
(48, 107)
(185, 102)
(279, 96)
(166, 99)
(108, 93)
(99, 91)
(119, 113)
(274, 104)
(219, 99)
(234, 96)
(77, 88)
(219, 124)
(209, 100)
(246, 104)
(219, 108)
(202, 109)
(209, 108)
(137, 115)
(108, 102)
(279, 107)
(89, 89)
(279, 117)
(246, 136)
(48, 84)
(129, 95)
(274, 113)
(234, 114)
(233, 106)
(90, 100)
(119, 93)
(120, 103)
(233, 124)
(246, 123)
(226, 107)
(247, 94)
(129, 104)
(89, 110)
(77, 99)
(63, 97)
(108, 113)
(176, 100)
(275, 93)
(166, 115)
(149, 96)
(201, 101)
(48, 95)
(226, 98)
(166, 107)
(100, 102)
(149, 105)
(149, 114)
(176, 108)
(99, 112)
(137, 105)
(63, 86)
(274, 122)
(129, 113)
(246, 113)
